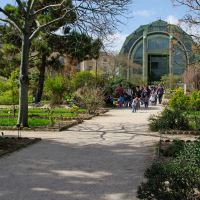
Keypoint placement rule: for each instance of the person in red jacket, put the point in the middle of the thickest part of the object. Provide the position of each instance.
(119, 91)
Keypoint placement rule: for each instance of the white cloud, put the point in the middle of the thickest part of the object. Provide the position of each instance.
(143, 13)
(114, 42)
(191, 29)
(171, 19)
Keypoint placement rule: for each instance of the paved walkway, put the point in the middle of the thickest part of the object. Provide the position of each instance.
(101, 159)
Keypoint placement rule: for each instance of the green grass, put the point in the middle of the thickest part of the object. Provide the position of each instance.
(38, 112)
(37, 116)
(32, 122)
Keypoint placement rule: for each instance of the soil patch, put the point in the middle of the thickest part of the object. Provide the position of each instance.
(11, 144)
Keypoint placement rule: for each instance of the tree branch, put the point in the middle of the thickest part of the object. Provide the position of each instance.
(10, 20)
(197, 3)
(47, 24)
(21, 7)
(32, 4)
(12, 23)
(49, 6)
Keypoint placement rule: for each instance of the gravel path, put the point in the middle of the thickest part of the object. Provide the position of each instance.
(101, 159)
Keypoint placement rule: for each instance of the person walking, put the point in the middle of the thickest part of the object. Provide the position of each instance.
(135, 104)
(119, 91)
(160, 92)
(145, 97)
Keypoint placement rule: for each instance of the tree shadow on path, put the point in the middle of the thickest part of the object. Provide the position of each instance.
(60, 171)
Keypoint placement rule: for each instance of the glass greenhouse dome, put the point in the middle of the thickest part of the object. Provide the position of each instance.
(157, 49)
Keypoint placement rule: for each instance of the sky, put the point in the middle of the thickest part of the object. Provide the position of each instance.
(143, 12)
(140, 12)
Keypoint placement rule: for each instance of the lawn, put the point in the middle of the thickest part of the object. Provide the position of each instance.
(45, 113)
(39, 116)
(32, 122)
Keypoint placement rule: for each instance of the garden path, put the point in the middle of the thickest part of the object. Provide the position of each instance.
(100, 159)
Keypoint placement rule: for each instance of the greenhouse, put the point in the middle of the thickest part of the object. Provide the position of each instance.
(157, 49)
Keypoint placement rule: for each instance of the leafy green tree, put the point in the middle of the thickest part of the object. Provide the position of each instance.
(30, 17)
(10, 50)
(79, 46)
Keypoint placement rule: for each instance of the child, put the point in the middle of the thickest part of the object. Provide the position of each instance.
(135, 104)
(146, 101)
(153, 98)
(120, 101)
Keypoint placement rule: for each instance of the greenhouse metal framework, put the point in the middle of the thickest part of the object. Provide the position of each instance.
(157, 49)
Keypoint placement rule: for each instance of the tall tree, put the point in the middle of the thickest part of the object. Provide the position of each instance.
(91, 16)
(192, 20)
(77, 46)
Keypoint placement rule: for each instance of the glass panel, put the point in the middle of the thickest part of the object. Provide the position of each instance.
(158, 43)
(137, 58)
(158, 66)
(179, 60)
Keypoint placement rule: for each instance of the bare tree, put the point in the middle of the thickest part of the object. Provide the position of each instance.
(192, 75)
(97, 17)
(192, 20)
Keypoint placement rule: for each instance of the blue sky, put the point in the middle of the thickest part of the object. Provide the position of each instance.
(141, 12)
(146, 11)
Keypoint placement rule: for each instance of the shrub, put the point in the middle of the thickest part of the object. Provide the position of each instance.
(7, 98)
(179, 100)
(92, 98)
(84, 79)
(174, 149)
(183, 102)
(9, 93)
(194, 101)
(169, 119)
(171, 81)
(56, 88)
(176, 179)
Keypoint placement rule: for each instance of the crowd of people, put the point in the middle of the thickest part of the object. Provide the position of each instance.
(138, 96)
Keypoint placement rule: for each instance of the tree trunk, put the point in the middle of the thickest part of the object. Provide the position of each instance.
(23, 81)
(40, 86)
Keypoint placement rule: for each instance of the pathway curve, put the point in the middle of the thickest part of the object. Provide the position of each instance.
(101, 159)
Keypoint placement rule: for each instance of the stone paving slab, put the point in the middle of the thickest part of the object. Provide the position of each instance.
(101, 159)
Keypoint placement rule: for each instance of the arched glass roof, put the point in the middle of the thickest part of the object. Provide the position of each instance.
(157, 27)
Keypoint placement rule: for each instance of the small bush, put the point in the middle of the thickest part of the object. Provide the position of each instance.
(169, 119)
(92, 98)
(84, 79)
(177, 179)
(185, 102)
(171, 81)
(9, 93)
(174, 149)
(179, 100)
(56, 88)
(194, 101)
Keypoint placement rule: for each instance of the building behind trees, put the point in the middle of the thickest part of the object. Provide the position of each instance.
(157, 49)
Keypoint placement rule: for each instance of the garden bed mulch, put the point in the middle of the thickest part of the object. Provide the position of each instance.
(60, 125)
(11, 144)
